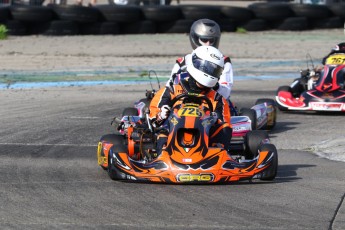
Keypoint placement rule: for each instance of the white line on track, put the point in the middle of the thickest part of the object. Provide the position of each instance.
(76, 117)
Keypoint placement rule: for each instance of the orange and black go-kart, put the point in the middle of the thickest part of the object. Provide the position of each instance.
(188, 156)
(316, 90)
(261, 117)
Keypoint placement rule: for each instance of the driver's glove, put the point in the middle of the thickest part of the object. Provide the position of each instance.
(214, 116)
(164, 113)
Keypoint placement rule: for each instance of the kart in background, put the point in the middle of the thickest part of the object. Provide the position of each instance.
(188, 156)
(326, 94)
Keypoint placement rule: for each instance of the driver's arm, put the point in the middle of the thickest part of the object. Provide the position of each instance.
(162, 97)
(222, 109)
(226, 80)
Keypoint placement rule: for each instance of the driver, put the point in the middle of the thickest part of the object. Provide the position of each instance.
(206, 32)
(203, 72)
(336, 56)
(309, 78)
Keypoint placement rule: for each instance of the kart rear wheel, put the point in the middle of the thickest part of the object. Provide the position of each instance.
(146, 101)
(146, 108)
(251, 114)
(272, 116)
(284, 88)
(252, 141)
(271, 172)
(130, 112)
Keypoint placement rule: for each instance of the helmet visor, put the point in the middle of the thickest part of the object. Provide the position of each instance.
(207, 67)
(207, 41)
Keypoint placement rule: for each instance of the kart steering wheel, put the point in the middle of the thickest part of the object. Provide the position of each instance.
(197, 97)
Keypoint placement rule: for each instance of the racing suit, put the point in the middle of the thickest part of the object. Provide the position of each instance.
(221, 132)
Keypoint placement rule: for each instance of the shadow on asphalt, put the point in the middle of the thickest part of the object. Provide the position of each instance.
(282, 126)
(288, 173)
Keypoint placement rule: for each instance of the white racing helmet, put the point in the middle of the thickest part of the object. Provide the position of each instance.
(206, 65)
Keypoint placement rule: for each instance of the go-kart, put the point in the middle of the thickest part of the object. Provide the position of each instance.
(188, 156)
(262, 116)
(327, 93)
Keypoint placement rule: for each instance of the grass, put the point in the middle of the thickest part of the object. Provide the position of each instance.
(3, 32)
(241, 30)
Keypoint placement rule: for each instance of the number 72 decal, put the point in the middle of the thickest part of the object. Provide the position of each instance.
(190, 112)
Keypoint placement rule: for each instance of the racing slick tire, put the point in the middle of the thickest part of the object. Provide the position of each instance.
(252, 141)
(115, 139)
(146, 108)
(251, 114)
(113, 172)
(162, 13)
(271, 172)
(5, 13)
(273, 114)
(130, 112)
(271, 11)
(284, 88)
(239, 14)
(146, 101)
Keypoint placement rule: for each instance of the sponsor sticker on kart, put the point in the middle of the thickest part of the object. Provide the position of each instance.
(325, 106)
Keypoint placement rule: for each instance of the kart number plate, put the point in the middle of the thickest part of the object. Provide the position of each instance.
(336, 60)
(327, 106)
(190, 111)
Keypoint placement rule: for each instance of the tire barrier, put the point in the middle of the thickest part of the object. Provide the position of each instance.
(151, 18)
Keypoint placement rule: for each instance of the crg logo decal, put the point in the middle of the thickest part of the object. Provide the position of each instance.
(195, 177)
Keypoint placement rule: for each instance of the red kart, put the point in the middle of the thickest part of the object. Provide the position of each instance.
(326, 94)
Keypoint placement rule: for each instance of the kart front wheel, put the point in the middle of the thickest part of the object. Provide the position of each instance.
(114, 139)
(113, 172)
(271, 172)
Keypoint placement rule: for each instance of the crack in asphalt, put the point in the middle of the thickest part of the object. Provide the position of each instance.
(336, 212)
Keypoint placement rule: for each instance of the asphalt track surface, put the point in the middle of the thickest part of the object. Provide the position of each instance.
(50, 178)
